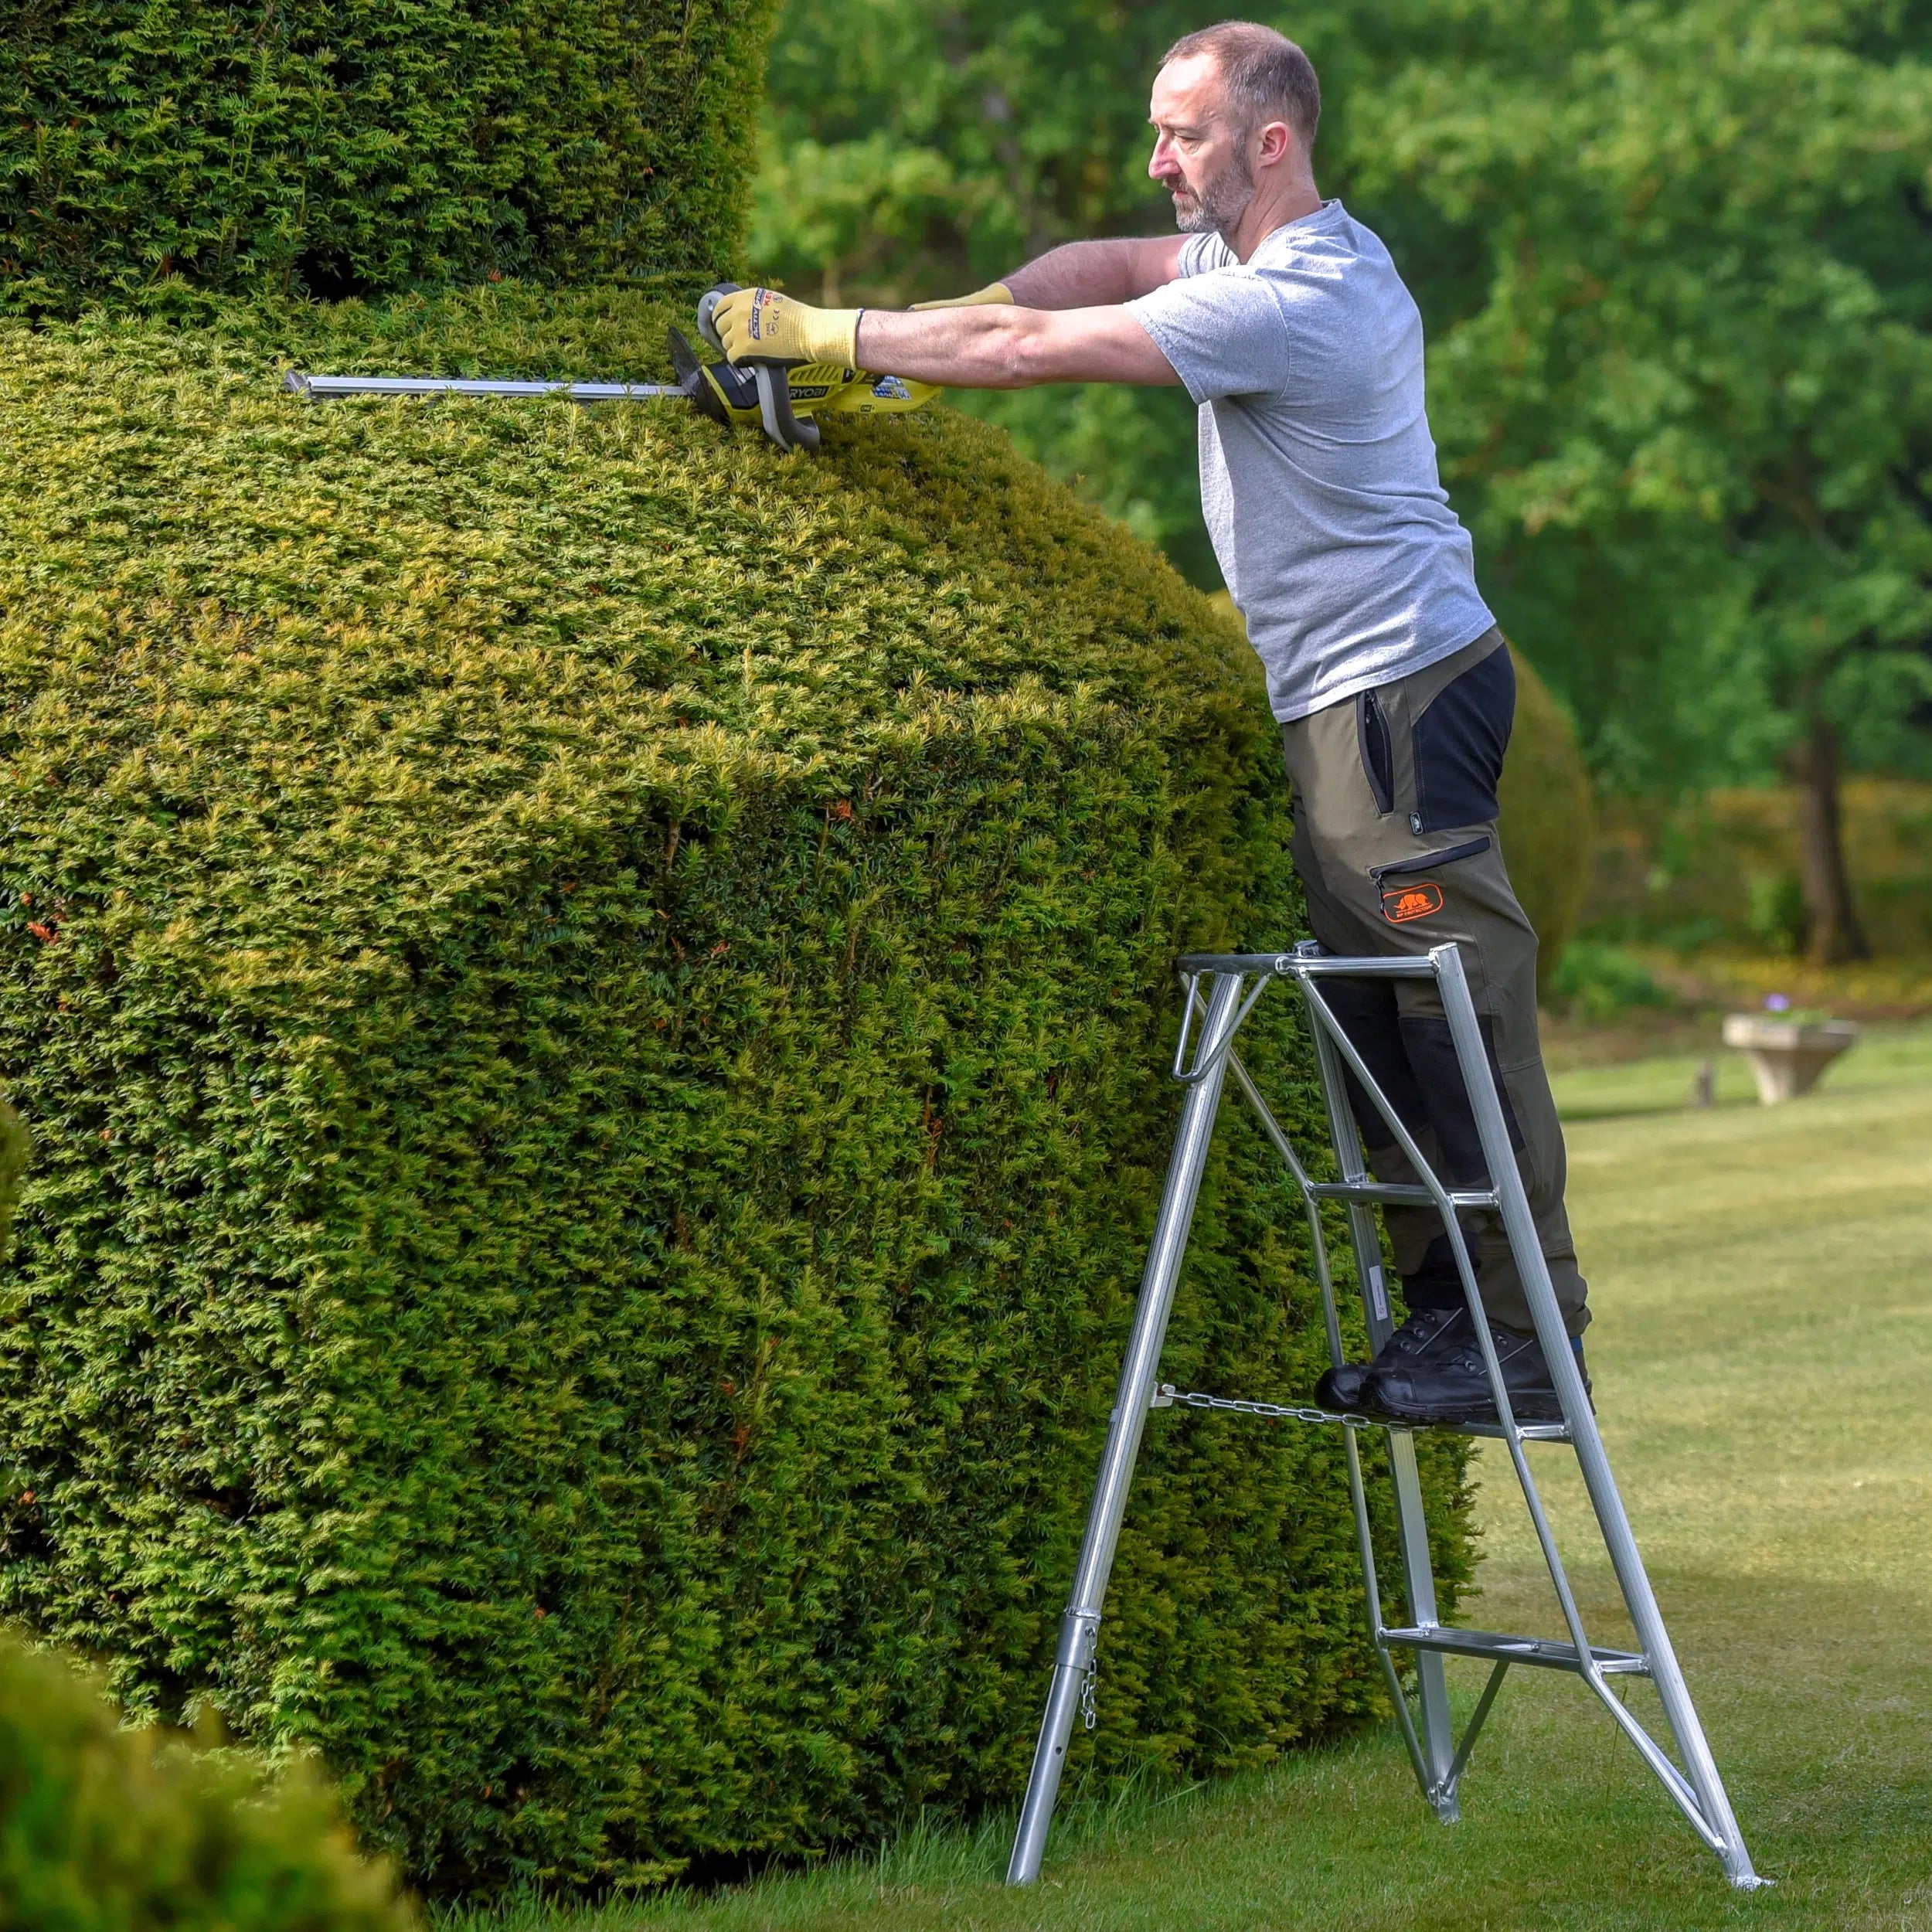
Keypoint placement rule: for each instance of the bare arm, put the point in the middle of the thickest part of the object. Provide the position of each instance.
(1095, 275)
(1001, 348)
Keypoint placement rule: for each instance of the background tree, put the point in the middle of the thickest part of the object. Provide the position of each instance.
(1691, 418)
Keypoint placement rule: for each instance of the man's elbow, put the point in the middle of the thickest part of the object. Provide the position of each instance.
(1022, 349)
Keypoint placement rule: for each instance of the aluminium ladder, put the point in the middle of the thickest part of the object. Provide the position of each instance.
(1220, 994)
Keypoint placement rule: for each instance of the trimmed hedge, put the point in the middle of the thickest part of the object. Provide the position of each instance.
(593, 1003)
(104, 1829)
(353, 151)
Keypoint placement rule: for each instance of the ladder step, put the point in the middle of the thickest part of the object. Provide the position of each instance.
(1547, 1652)
(1404, 1192)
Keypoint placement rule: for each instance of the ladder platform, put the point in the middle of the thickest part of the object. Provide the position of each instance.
(1167, 1397)
(1547, 1651)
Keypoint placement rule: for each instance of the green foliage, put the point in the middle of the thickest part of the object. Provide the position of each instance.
(104, 1829)
(1600, 983)
(1724, 869)
(1691, 419)
(14, 1151)
(595, 1044)
(145, 150)
(1549, 819)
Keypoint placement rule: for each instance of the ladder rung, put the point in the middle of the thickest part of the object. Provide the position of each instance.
(1547, 1652)
(1403, 1193)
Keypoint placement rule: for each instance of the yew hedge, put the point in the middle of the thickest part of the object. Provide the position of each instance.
(150, 146)
(592, 1003)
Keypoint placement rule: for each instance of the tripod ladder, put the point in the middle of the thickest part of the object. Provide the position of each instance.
(1222, 991)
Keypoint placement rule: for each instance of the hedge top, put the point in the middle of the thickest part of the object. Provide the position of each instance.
(424, 624)
(149, 150)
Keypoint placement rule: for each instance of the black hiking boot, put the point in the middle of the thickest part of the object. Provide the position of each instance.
(1448, 1382)
(1341, 1389)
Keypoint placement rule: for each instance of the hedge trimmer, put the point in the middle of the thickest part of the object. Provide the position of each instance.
(783, 398)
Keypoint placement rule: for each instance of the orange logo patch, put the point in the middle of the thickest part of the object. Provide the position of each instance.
(1417, 901)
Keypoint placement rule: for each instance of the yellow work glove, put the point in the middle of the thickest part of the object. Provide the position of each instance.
(993, 292)
(759, 325)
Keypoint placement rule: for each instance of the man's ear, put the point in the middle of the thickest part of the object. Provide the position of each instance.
(1277, 138)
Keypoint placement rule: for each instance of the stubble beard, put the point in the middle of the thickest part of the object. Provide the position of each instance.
(1217, 206)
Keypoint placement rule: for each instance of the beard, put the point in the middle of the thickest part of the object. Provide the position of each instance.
(1218, 204)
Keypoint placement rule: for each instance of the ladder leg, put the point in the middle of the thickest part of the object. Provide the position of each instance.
(1434, 1744)
(1436, 1735)
(1717, 1822)
(1080, 1623)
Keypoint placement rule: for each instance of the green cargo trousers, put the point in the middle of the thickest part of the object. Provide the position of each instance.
(1396, 844)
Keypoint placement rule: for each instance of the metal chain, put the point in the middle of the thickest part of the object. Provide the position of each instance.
(1089, 1708)
(1274, 1411)
(1170, 1397)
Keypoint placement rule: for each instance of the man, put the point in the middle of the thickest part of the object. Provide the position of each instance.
(1286, 320)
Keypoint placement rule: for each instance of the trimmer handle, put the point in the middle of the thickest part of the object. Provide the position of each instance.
(774, 386)
(707, 305)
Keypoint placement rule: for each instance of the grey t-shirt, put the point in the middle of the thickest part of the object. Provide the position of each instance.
(1318, 475)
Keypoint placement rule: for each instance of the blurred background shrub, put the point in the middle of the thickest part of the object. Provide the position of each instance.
(106, 1828)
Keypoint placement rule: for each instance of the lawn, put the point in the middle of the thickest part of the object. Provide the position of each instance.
(1763, 1358)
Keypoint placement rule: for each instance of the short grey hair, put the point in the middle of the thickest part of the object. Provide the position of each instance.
(1268, 77)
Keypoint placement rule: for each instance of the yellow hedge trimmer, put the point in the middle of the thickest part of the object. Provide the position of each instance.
(782, 398)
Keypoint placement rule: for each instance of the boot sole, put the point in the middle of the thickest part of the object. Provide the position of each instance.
(1530, 1410)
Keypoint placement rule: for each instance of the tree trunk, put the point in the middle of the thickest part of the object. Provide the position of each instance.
(1835, 935)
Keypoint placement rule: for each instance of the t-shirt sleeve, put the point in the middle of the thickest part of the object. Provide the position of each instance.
(1222, 330)
(1200, 252)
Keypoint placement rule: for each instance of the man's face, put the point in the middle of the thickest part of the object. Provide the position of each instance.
(1198, 156)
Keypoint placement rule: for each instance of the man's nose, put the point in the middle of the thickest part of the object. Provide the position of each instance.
(1161, 164)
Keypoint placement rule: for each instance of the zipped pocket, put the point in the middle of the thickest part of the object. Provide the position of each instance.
(1469, 848)
(1378, 754)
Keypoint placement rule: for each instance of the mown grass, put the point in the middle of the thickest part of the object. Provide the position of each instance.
(1762, 1354)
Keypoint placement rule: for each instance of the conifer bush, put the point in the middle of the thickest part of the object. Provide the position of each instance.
(145, 147)
(108, 1829)
(592, 1002)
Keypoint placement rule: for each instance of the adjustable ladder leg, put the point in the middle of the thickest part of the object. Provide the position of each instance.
(1705, 1803)
(1080, 1623)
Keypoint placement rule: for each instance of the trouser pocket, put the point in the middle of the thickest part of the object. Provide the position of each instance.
(1411, 896)
(1377, 749)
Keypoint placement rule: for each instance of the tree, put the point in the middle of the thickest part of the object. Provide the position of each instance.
(1691, 419)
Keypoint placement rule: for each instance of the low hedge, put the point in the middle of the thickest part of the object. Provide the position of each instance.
(108, 1829)
(351, 150)
(592, 1001)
